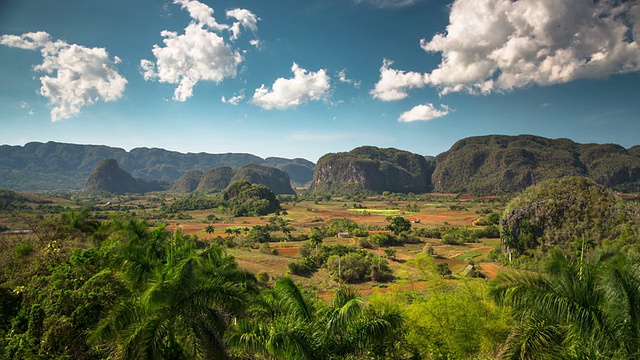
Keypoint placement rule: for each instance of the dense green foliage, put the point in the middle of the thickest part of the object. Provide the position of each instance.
(569, 212)
(373, 169)
(292, 324)
(245, 199)
(499, 163)
(399, 224)
(192, 202)
(575, 309)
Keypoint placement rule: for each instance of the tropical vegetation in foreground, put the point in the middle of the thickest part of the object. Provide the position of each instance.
(88, 286)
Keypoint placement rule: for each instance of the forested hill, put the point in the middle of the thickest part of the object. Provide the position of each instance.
(55, 166)
(498, 163)
(370, 168)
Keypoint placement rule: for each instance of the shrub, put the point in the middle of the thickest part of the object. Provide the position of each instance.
(262, 276)
(491, 232)
(24, 249)
(384, 240)
(443, 269)
(429, 250)
(350, 268)
(302, 267)
(432, 233)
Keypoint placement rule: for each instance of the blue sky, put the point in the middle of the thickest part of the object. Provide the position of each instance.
(304, 78)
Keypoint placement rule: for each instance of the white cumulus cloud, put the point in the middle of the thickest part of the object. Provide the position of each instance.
(199, 54)
(244, 17)
(287, 93)
(501, 45)
(394, 83)
(76, 75)
(27, 41)
(234, 100)
(342, 76)
(424, 112)
(201, 13)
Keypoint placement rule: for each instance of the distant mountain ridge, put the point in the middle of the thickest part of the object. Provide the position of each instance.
(480, 164)
(54, 166)
(109, 177)
(500, 163)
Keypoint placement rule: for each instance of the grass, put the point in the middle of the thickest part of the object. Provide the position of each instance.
(377, 211)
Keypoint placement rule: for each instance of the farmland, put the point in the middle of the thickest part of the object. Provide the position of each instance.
(426, 211)
(373, 213)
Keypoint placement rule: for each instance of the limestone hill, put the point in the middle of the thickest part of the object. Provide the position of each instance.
(498, 163)
(567, 212)
(374, 169)
(109, 177)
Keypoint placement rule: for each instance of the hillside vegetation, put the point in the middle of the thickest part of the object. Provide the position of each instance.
(369, 168)
(493, 164)
(56, 166)
(498, 163)
(569, 212)
(109, 177)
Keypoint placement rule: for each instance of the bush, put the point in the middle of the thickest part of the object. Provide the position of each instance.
(384, 240)
(302, 267)
(432, 233)
(350, 268)
(405, 238)
(492, 219)
(429, 250)
(24, 249)
(443, 269)
(262, 276)
(491, 232)
(358, 266)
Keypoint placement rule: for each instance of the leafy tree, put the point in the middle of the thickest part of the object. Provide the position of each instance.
(443, 269)
(316, 236)
(399, 224)
(455, 321)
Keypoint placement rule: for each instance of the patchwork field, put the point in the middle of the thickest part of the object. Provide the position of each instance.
(441, 210)
(429, 211)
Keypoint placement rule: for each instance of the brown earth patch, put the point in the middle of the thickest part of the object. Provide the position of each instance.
(490, 269)
(288, 250)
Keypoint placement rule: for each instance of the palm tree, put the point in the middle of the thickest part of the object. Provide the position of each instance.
(288, 323)
(209, 230)
(182, 301)
(574, 309)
